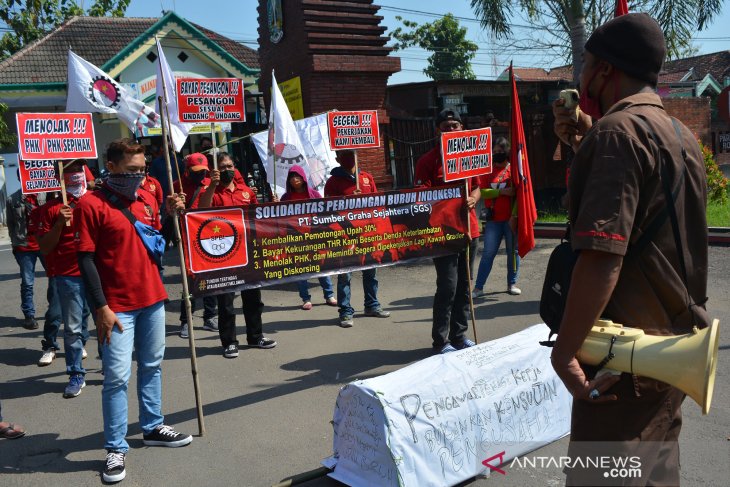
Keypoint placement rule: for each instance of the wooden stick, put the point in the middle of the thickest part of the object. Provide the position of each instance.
(183, 271)
(357, 172)
(468, 264)
(215, 145)
(63, 187)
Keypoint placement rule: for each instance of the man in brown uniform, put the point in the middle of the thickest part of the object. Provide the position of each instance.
(616, 192)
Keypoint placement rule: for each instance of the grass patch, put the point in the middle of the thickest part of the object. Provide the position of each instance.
(552, 217)
(718, 215)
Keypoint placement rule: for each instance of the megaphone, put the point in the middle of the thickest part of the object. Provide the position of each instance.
(687, 362)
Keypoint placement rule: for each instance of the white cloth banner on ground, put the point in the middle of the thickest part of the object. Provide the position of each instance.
(316, 145)
(283, 144)
(166, 83)
(435, 422)
(92, 90)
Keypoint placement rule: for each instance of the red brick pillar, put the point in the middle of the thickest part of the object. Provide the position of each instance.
(338, 50)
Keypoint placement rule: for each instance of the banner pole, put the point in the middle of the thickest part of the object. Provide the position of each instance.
(174, 155)
(63, 187)
(215, 145)
(468, 265)
(357, 173)
(183, 271)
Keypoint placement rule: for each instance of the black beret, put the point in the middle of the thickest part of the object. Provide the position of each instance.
(448, 113)
(633, 43)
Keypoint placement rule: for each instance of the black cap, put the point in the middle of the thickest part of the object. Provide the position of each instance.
(448, 113)
(633, 43)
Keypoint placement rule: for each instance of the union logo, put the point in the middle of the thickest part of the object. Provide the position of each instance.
(217, 239)
(104, 92)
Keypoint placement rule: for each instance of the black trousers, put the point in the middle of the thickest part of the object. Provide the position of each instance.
(451, 302)
(252, 308)
(209, 304)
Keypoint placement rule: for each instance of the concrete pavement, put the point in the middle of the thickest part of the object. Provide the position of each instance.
(268, 412)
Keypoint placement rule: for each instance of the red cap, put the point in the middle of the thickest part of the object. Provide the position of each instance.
(196, 162)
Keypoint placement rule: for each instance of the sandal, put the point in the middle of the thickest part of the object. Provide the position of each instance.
(307, 305)
(12, 432)
(331, 301)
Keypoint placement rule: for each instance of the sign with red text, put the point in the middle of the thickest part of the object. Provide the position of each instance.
(216, 239)
(466, 153)
(37, 177)
(55, 136)
(353, 130)
(210, 100)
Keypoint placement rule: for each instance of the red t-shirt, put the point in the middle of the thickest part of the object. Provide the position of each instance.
(189, 188)
(430, 174)
(31, 226)
(152, 186)
(502, 205)
(294, 196)
(342, 186)
(62, 260)
(129, 277)
(240, 195)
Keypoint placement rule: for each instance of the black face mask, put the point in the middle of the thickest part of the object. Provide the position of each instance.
(196, 176)
(227, 177)
(499, 157)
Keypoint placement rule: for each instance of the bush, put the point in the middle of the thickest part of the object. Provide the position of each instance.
(717, 186)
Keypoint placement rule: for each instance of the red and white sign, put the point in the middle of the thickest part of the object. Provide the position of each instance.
(37, 177)
(210, 100)
(216, 239)
(353, 130)
(55, 136)
(466, 153)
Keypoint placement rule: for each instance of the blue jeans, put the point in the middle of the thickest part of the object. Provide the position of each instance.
(54, 318)
(326, 284)
(493, 233)
(369, 287)
(144, 332)
(26, 261)
(72, 297)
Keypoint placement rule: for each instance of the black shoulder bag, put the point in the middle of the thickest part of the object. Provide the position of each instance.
(562, 260)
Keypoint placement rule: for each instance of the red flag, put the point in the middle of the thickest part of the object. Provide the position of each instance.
(526, 211)
(622, 8)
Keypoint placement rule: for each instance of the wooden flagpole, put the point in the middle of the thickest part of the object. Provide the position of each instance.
(468, 264)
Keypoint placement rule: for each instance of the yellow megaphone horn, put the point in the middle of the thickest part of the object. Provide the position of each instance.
(687, 362)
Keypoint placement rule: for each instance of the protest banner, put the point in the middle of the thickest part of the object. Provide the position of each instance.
(37, 177)
(353, 130)
(55, 136)
(259, 245)
(466, 153)
(450, 417)
(210, 100)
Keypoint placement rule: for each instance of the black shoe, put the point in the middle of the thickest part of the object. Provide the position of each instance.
(114, 469)
(30, 323)
(263, 343)
(231, 351)
(164, 435)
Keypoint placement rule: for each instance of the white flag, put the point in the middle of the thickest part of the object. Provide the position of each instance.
(92, 90)
(165, 77)
(287, 147)
(313, 134)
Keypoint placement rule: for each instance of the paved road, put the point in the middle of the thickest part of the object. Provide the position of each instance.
(268, 412)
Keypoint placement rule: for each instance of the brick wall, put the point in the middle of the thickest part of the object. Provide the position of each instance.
(334, 77)
(694, 113)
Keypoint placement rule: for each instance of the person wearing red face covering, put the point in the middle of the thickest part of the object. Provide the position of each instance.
(627, 150)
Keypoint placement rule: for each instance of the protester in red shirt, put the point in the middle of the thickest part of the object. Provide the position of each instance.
(342, 182)
(124, 285)
(195, 181)
(451, 302)
(57, 242)
(500, 220)
(225, 191)
(298, 189)
(152, 186)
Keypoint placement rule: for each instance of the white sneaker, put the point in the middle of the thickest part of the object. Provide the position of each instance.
(514, 290)
(84, 354)
(47, 357)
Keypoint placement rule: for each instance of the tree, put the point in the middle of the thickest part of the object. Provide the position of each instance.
(29, 20)
(7, 138)
(557, 24)
(452, 52)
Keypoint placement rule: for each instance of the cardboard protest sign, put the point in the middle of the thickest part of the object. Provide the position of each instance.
(210, 100)
(55, 136)
(353, 130)
(450, 417)
(273, 243)
(37, 177)
(466, 153)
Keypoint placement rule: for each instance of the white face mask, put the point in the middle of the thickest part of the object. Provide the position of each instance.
(75, 183)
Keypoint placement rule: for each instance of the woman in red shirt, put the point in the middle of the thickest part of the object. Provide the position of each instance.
(500, 220)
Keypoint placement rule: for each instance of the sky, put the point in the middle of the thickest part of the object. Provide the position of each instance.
(237, 19)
